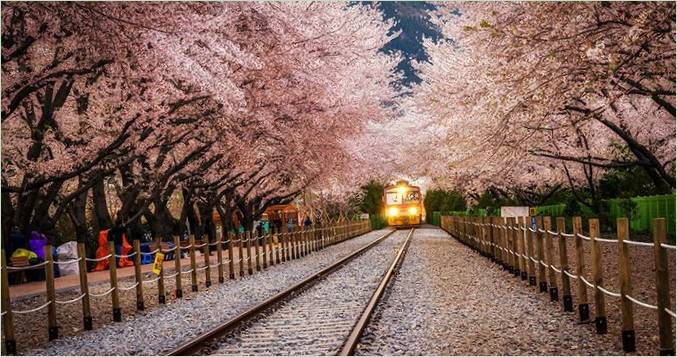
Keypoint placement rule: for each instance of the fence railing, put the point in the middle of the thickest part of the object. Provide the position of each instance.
(529, 253)
(255, 253)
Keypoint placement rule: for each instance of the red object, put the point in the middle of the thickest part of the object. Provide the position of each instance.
(102, 251)
(126, 249)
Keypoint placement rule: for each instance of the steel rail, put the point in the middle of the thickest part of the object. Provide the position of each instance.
(354, 337)
(194, 345)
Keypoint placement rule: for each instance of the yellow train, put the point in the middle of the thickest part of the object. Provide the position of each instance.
(403, 204)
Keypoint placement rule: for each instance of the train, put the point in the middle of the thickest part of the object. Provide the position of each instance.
(403, 204)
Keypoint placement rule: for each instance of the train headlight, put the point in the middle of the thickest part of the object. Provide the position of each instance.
(393, 211)
(413, 211)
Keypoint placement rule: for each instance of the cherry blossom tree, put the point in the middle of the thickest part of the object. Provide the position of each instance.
(535, 94)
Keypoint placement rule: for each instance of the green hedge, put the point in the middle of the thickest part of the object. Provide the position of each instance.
(645, 210)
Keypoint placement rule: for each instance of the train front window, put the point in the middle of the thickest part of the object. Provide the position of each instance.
(412, 196)
(393, 198)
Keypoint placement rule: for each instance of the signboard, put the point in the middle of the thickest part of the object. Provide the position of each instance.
(157, 264)
(514, 211)
(364, 216)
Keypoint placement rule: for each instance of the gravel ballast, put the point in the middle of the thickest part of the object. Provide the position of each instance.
(317, 321)
(448, 300)
(160, 329)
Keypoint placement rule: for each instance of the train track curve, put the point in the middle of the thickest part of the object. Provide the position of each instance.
(323, 314)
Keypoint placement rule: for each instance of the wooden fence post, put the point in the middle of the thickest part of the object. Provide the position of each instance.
(161, 279)
(205, 252)
(265, 249)
(250, 267)
(302, 241)
(523, 248)
(667, 347)
(257, 245)
(582, 291)
(231, 255)
(531, 252)
(219, 257)
(540, 244)
(7, 316)
(137, 275)
(51, 294)
(240, 246)
(178, 291)
(112, 270)
(550, 259)
(84, 287)
(515, 247)
(567, 300)
(193, 263)
(624, 275)
(276, 233)
(283, 243)
(597, 278)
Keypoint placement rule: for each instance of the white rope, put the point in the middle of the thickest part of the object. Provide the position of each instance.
(610, 293)
(129, 287)
(603, 240)
(98, 259)
(568, 235)
(542, 230)
(587, 282)
(150, 253)
(201, 269)
(670, 312)
(187, 271)
(68, 261)
(640, 303)
(32, 310)
(543, 263)
(551, 232)
(197, 246)
(169, 250)
(28, 267)
(555, 269)
(632, 242)
(171, 276)
(125, 256)
(3, 313)
(214, 265)
(71, 300)
(668, 246)
(102, 294)
(214, 243)
(151, 281)
(583, 236)
(533, 260)
(571, 275)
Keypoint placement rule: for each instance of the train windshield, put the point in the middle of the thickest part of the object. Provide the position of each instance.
(397, 198)
(393, 198)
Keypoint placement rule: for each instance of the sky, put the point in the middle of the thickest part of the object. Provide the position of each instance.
(413, 20)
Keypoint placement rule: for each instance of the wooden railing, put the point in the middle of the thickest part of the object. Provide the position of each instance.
(255, 254)
(530, 249)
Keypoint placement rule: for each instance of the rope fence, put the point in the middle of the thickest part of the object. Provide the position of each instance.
(526, 247)
(276, 247)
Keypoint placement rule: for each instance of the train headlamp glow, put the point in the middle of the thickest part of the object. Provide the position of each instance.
(401, 190)
(413, 210)
(393, 211)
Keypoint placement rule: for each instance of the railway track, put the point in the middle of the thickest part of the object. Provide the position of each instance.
(323, 314)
